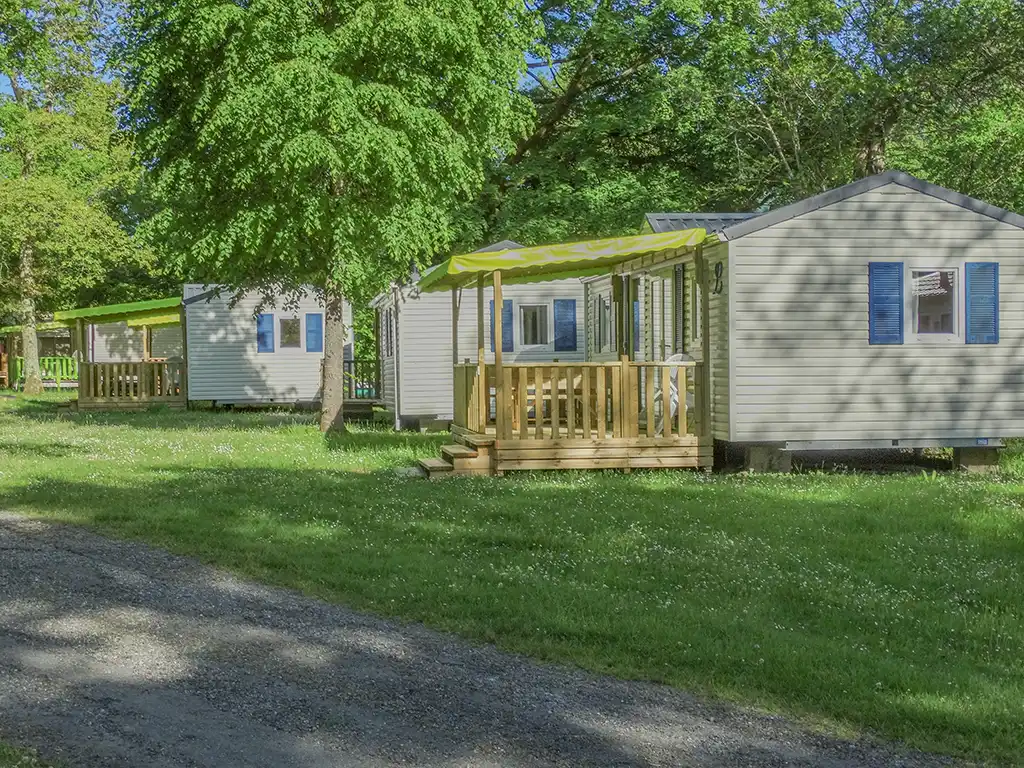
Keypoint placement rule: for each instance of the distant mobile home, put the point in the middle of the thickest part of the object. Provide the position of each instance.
(540, 322)
(240, 353)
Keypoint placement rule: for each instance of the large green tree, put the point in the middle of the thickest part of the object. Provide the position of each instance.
(59, 154)
(319, 142)
(622, 93)
(832, 88)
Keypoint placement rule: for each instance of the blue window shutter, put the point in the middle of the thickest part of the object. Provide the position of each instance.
(636, 326)
(982, 293)
(885, 302)
(265, 333)
(507, 344)
(565, 325)
(314, 332)
(506, 326)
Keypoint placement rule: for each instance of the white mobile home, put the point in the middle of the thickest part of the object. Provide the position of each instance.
(240, 353)
(879, 314)
(540, 322)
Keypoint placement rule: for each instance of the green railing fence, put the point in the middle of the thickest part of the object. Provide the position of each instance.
(59, 370)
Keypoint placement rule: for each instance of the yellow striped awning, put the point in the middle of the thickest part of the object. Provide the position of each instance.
(556, 262)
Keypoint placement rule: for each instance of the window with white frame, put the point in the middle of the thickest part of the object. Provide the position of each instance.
(533, 319)
(934, 302)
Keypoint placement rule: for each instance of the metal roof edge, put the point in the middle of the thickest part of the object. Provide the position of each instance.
(859, 187)
(205, 295)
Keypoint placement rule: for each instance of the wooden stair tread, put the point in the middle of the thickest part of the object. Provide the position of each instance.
(476, 441)
(458, 451)
(436, 465)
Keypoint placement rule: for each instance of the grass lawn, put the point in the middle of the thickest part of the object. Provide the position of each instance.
(889, 604)
(11, 757)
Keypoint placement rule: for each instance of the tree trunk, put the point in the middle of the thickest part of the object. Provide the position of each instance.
(871, 156)
(332, 416)
(29, 340)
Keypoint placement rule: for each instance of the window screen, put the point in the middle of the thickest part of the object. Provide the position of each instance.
(934, 301)
(291, 332)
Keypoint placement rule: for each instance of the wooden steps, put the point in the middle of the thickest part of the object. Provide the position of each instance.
(469, 455)
(436, 468)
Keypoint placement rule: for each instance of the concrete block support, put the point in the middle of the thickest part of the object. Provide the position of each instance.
(767, 459)
(976, 459)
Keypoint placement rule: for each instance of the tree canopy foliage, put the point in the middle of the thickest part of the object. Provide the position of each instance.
(61, 157)
(744, 104)
(323, 143)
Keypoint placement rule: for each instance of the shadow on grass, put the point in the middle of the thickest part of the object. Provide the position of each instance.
(48, 408)
(858, 600)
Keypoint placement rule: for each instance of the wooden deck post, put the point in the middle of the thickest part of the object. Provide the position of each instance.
(147, 343)
(499, 388)
(80, 341)
(483, 396)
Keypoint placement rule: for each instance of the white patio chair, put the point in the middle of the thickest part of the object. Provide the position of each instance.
(673, 392)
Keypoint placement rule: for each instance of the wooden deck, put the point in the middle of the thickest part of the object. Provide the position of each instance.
(623, 415)
(131, 386)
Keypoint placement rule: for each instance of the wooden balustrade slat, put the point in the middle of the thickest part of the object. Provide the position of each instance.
(506, 419)
(617, 401)
(602, 404)
(538, 400)
(649, 400)
(666, 401)
(570, 402)
(683, 426)
(556, 393)
(524, 402)
(585, 408)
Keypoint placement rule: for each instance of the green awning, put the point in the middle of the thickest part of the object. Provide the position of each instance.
(47, 326)
(556, 262)
(113, 313)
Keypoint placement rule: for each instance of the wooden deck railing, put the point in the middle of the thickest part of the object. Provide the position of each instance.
(580, 401)
(107, 385)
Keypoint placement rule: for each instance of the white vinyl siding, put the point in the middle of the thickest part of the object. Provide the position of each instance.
(223, 364)
(803, 368)
(425, 340)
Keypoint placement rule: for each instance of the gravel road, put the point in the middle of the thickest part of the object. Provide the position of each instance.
(116, 654)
